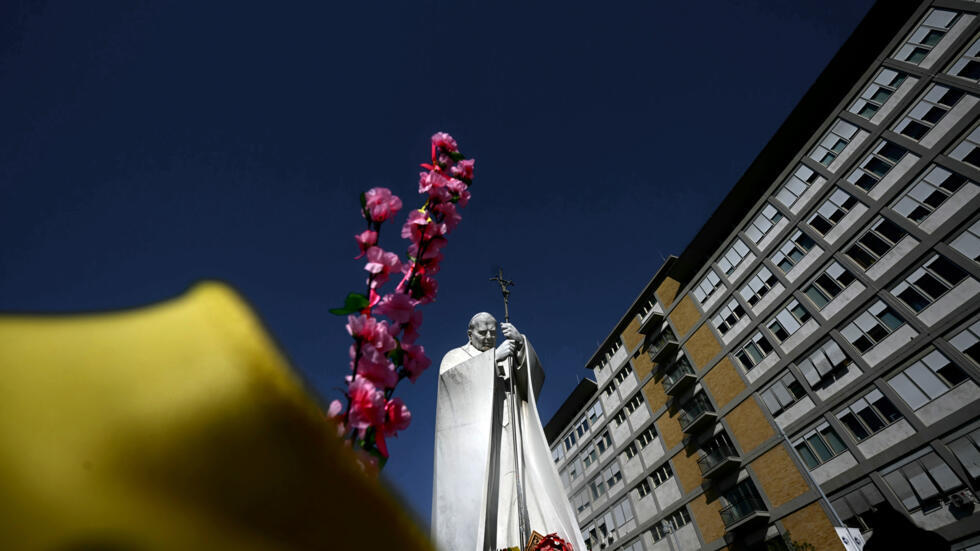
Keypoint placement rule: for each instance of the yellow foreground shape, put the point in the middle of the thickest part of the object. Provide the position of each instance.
(178, 426)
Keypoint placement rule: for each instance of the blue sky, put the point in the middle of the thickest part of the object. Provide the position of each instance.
(144, 147)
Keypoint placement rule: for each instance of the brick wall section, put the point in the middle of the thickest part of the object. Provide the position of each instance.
(706, 516)
(781, 479)
(811, 525)
(667, 291)
(702, 347)
(723, 382)
(749, 425)
(631, 335)
(654, 393)
(685, 316)
(669, 430)
(642, 365)
(686, 470)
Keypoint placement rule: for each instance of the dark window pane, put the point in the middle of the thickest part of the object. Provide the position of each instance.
(953, 374)
(914, 299)
(860, 256)
(934, 115)
(829, 285)
(915, 130)
(871, 419)
(820, 224)
(971, 70)
(950, 98)
(878, 167)
(887, 409)
(947, 270)
(866, 182)
(931, 286)
(818, 446)
(816, 296)
(835, 442)
(855, 426)
(891, 318)
(805, 241)
(892, 151)
(875, 244)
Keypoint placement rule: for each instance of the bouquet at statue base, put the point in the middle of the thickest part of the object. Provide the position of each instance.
(384, 326)
(552, 542)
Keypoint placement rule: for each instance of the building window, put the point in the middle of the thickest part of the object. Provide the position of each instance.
(921, 484)
(928, 193)
(872, 326)
(558, 453)
(877, 240)
(569, 441)
(877, 93)
(635, 545)
(796, 185)
(819, 446)
(925, 37)
(728, 316)
(854, 507)
(757, 287)
(622, 513)
(879, 162)
(832, 211)
(794, 249)
(631, 451)
(763, 223)
(590, 457)
(594, 413)
(968, 65)
(968, 150)
(753, 351)
(788, 321)
(623, 373)
(968, 342)
(620, 417)
(581, 501)
(606, 479)
(646, 437)
(869, 415)
(967, 452)
(643, 488)
(968, 242)
(634, 404)
(733, 256)
(828, 285)
(824, 365)
(670, 524)
(931, 109)
(661, 474)
(833, 142)
(707, 286)
(582, 426)
(926, 284)
(926, 379)
(785, 392)
(604, 442)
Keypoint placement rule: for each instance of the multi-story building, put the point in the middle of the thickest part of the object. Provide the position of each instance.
(813, 354)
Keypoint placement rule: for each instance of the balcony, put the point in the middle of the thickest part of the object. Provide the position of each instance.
(663, 346)
(651, 319)
(680, 375)
(718, 460)
(747, 511)
(697, 413)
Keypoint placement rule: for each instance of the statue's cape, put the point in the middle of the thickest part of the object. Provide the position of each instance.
(466, 479)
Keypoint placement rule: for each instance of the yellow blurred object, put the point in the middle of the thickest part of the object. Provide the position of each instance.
(175, 426)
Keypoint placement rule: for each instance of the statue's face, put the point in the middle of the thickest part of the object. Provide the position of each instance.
(483, 334)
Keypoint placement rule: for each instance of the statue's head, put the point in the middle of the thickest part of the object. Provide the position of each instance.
(483, 331)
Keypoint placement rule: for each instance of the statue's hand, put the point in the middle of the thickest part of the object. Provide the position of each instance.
(510, 332)
(505, 350)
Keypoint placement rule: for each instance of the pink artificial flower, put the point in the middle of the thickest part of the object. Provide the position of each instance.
(365, 240)
(381, 263)
(450, 218)
(381, 204)
(410, 329)
(374, 366)
(397, 416)
(428, 287)
(463, 169)
(370, 330)
(415, 361)
(431, 179)
(335, 409)
(417, 225)
(397, 307)
(367, 408)
(442, 140)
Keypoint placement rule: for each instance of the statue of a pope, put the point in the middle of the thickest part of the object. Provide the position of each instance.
(479, 480)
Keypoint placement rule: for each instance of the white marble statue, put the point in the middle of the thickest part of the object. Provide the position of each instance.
(475, 493)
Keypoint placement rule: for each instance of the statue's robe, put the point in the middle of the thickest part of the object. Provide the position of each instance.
(474, 496)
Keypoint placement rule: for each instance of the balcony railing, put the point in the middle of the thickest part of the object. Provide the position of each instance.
(718, 460)
(651, 319)
(679, 376)
(744, 511)
(697, 412)
(663, 345)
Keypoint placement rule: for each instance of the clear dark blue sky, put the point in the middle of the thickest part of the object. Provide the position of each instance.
(145, 146)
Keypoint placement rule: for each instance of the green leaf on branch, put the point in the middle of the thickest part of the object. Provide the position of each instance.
(355, 302)
(397, 356)
(456, 156)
